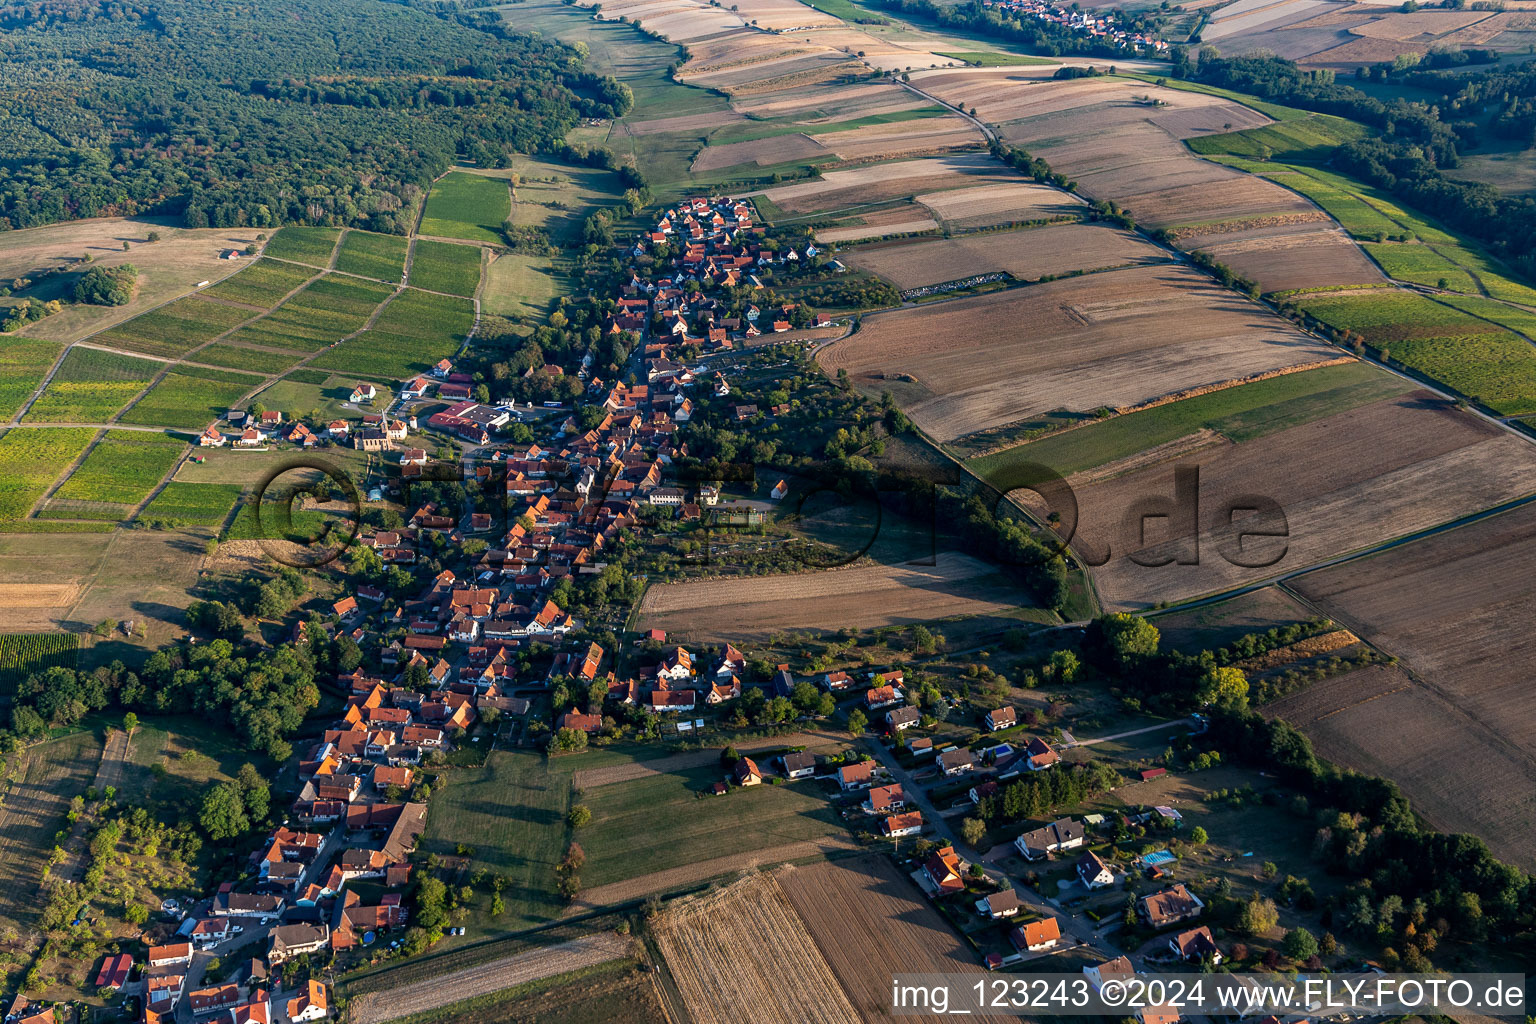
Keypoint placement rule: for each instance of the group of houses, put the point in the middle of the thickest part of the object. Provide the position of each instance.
(1106, 25)
(376, 431)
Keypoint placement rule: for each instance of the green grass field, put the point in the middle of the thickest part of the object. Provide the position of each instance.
(303, 244)
(662, 821)
(1240, 413)
(193, 504)
(521, 286)
(189, 402)
(993, 59)
(238, 357)
(31, 459)
(323, 402)
(1419, 264)
(1310, 138)
(91, 386)
(512, 811)
(24, 362)
(558, 197)
(174, 329)
(320, 315)
(414, 331)
(371, 255)
(261, 284)
(468, 206)
(446, 267)
(22, 654)
(123, 468)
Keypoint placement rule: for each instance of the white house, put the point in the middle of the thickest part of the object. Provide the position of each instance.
(1093, 872)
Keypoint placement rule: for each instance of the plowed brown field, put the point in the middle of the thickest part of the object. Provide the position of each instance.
(1114, 339)
(1026, 255)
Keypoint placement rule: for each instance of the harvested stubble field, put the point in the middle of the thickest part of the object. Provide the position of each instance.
(1000, 204)
(900, 220)
(762, 152)
(1380, 721)
(874, 183)
(1116, 339)
(1468, 647)
(861, 596)
(1026, 255)
(869, 921)
(484, 979)
(1244, 196)
(886, 141)
(1311, 255)
(1383, 475)
(740, 955)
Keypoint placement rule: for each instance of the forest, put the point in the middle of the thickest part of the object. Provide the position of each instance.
(237, 115)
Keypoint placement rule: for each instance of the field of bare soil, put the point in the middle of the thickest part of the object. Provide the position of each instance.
(1281, 260)
(483, 979)
(873, 183)
(1344, 482)
(860, 596)
(763, 152)
(902, 219)
(870, 922)
(1380, 721)
(887, 141)
(1027, 255)
(1000, 204)
(1459, 610)
(1114, 339)
(739, 955)
(1245, 196)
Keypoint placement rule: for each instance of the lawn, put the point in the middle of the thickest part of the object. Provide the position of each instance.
(665, 821)
(414, 332)
(184, 504)
(993, 59)
(321, 403)
(1240, 413)
(24, 363)
(239, 357)
(303, 245)
(468, 206)
(445, 267)
(123, 467)
(189, 402)
(512, 811)
(91, 386)
(320, 315)
(371, 255)
(521, 286)
(558, 197)
(262, 284)
(174, 329)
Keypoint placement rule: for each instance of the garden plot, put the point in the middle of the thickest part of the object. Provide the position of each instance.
(1117, 339)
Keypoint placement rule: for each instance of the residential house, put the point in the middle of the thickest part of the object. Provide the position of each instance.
(1036, 936)
(173, 953)
(999, 905)
(881, 697)
(1065, 834)
(920, 747)
(1118, 969)
(885, 799)
(943, 870)
(1169, 907)
(856, 776)
(577, 720)
(800, 764)
(898, 719)
(836, 682)
(746, 773)
(899, 825)
(663, 701)
(209, 1000)
(291, 940)
(1040, 755)
(1001, 718)
(1196, 944)
(313, 1003)
(956, 762)
(114, 971)
(363, 393)
(1093, 872)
